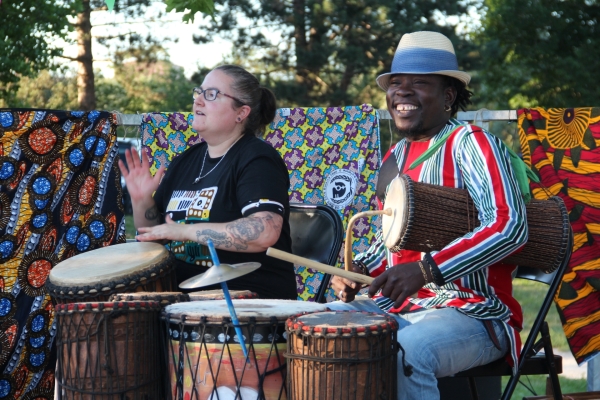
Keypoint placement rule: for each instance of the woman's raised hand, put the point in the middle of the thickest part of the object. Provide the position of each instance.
(140, 183)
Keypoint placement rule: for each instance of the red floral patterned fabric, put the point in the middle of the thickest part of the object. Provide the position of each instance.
(563, 146)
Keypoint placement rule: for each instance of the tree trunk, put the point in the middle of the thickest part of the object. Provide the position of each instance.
(86, 93)
(300, 42)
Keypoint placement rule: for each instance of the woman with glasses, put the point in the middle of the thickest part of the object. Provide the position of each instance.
(232, 188)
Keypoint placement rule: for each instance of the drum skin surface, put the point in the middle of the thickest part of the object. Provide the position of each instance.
(97, 274)
(206, 360)
(102, 265)
(342, 355)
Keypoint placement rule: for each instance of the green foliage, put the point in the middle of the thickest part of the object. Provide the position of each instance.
(29, 38)
(49, 89)
(136, 87)
(139, 87)
(540, 53)
(328, 52)
(191, 7)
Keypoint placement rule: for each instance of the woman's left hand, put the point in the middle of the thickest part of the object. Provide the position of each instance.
(171, 230)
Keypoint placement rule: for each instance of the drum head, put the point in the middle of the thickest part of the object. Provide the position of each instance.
(260, 309)
(342, 322)
(394, 226)
(108, 264)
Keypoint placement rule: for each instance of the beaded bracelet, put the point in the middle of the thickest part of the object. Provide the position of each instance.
(363, 267)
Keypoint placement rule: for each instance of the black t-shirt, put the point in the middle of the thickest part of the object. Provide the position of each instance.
(249, 178)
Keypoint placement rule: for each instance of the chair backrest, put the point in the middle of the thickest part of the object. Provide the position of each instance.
(553, 279)
(317, 233)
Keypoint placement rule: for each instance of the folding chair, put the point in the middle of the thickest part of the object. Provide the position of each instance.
(532, 360)
(317, 233)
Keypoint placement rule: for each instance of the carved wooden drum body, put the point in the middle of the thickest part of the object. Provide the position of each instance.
(428, 217)
(342, 355)
(108, 351)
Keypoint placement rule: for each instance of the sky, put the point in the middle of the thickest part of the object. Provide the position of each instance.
(184, 53)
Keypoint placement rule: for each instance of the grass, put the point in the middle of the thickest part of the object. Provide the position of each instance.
(530, 295)
(129, 228)
(538, 384)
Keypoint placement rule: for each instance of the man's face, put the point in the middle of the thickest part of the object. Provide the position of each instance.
(417, 102)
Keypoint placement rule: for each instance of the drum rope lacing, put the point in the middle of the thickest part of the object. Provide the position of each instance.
(106, 312)
(226, 327)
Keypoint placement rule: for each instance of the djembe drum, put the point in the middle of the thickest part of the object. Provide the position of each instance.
(342, 355)
(108, 351)
(97, 274)
(163, 299)
(206, 360)
(428, 217)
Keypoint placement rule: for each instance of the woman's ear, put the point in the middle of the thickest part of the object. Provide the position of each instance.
(243, 112)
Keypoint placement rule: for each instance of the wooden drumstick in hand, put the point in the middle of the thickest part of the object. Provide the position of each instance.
(353, 276)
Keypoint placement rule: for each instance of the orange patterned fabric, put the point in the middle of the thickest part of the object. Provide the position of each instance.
(563, 146)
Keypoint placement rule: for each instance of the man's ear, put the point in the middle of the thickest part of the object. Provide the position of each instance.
(450, 95)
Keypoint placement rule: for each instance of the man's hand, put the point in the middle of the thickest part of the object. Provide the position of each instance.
(346, 289)
(399, 282)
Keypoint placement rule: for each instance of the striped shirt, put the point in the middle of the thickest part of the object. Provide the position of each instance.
(474, 281)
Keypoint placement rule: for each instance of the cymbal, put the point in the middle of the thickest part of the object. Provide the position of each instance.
(219, 273)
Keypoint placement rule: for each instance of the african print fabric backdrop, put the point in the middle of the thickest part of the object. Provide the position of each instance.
(165, 135)
(332, 155)
(563, 146)
(60, 195)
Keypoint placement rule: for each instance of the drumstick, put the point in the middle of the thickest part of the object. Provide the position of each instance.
(236, 323)
(353, 276)
(348, 248)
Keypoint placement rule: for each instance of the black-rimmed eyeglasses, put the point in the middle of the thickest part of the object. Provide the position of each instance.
(211, 94)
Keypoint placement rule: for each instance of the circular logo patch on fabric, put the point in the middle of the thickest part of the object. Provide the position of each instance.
(340, 188)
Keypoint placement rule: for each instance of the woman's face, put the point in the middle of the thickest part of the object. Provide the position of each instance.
(218, 117)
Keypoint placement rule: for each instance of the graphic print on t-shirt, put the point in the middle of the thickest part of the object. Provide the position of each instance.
(196, 204)
(191, 206)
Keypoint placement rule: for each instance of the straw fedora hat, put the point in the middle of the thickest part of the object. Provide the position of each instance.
(424, 53)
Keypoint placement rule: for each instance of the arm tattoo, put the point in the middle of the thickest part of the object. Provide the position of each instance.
(239, 232)
(219, 239)
(245, 230)
(151, 214)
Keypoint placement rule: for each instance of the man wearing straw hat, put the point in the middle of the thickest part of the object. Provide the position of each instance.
(454, 306)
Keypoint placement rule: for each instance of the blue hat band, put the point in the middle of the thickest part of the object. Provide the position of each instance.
(419, 60)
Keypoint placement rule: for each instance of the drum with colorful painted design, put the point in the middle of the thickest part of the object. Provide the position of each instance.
(206, 360)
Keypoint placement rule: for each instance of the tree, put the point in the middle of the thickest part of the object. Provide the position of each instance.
(129, 9)
(540, 52)
(30, 34)
(328, 52)
(190, 8)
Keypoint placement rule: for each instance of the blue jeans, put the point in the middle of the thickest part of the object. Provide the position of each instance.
(437, 343)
